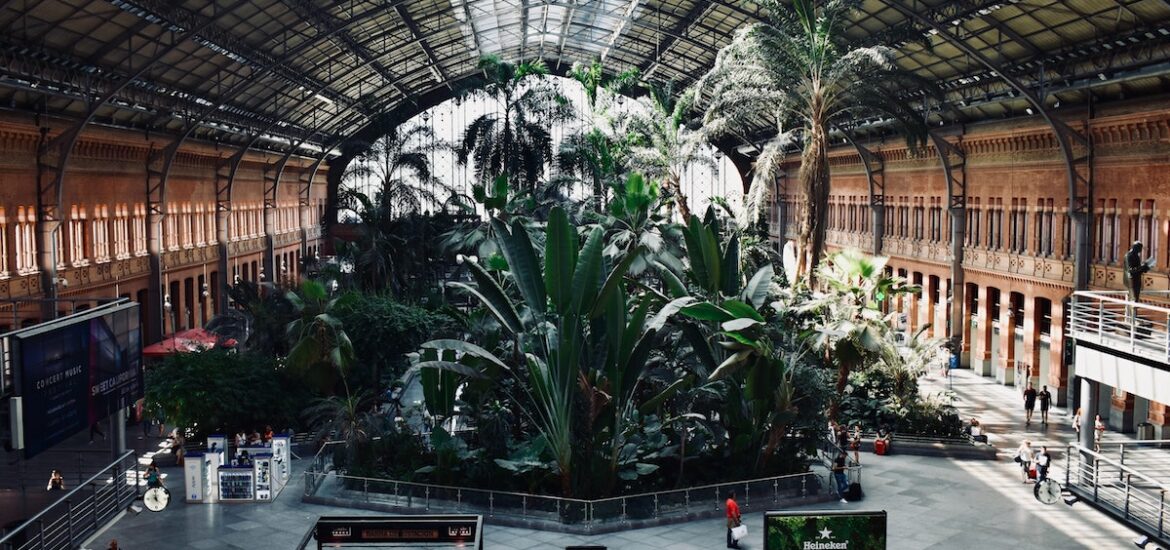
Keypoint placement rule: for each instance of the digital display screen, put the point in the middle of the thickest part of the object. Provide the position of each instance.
(825, 530)
(398, 529)
(76, 373)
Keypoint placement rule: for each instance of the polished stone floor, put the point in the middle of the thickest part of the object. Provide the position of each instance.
(932, 503)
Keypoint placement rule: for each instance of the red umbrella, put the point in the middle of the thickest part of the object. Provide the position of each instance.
(186, 341)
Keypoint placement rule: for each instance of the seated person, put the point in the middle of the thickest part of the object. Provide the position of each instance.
(268, 433)
(241, 439)
(153, 476)
(254, 438)
(885, 435)
(243, 459)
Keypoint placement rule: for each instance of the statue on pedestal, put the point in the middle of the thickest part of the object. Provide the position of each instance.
(1135, 267)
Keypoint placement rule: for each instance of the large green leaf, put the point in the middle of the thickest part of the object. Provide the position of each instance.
(706, 311)
(560, 259)
(614, 280)
(585, 279)
(523, 264)
(489, 292)
(466, 348)
(729, 272)
(756, 291)
(740, 309)
(673, 283)
(693, 234)
(668, 311)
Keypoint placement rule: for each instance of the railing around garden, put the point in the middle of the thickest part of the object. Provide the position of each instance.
(558, 513)
(81, 512)
(1110, 319)
(1120, 490)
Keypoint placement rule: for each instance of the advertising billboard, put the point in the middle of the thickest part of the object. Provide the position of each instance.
(828, 530)
(75, 373)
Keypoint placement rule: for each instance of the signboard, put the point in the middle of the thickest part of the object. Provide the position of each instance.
(75, 373)
(825, 530)
(403, 531)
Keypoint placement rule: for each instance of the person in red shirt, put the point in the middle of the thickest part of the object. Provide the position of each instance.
(733, 519)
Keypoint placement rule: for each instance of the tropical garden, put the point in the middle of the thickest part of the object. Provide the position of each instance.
(587, 344)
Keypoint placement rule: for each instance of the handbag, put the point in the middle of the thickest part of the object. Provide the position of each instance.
(739, 531)
(1018, 459)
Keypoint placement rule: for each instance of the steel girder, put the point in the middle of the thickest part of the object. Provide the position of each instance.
(954, 165)
(424, 43)
(1075, 146)
(875, 175)
(53, 156)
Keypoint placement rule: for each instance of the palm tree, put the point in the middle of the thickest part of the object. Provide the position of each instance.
(801, 71)
(597, 152)
(321, 350)
(399, 165)
(515, 139)
(851, 328)
(662, 146)
(348, 418)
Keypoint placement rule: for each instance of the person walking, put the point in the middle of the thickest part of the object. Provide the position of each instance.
(840, 477)
(1099, 428)
(1025, 457)
(733, 519)
(1029, 403)
(113, 545)
(1077, 423)
(1042, 461)
(1045, 398)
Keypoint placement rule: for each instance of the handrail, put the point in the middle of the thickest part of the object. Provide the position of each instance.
(1122, 468)
(566, 499)
(95, 480)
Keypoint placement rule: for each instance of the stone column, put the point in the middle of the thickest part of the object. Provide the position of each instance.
(1121, 412)
(981, 357)
(1031, 356)
(1057, 368)
(1090, 394)
(1006, 370)
(926, 305)
(968, 314)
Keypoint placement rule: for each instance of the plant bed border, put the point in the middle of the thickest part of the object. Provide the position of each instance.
(814, 493)
(940, 448)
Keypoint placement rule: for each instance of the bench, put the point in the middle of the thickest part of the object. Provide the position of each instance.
(961, 447)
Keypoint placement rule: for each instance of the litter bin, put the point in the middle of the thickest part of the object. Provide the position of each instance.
(1145, 431)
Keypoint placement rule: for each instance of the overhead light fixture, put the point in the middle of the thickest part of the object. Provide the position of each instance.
(323, 98)
(1028, 110)
(1102, 76)
(1056, 104)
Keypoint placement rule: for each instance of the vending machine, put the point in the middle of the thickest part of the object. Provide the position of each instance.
(263, 474)
(281, 459)
(200, 476)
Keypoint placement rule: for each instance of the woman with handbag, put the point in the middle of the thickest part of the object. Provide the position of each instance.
(1024, 457)
(734, 520)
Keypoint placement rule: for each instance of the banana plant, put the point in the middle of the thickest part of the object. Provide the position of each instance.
(850, 326)
(548, 322)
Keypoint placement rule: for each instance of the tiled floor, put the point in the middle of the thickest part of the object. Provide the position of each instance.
(932, 503)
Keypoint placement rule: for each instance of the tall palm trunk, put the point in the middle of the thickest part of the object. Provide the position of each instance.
(814, 181)
(675, 185)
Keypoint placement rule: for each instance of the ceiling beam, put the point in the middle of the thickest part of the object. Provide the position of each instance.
(412, 26)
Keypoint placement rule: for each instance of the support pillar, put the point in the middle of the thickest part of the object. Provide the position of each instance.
(941, 312)
(1031, 358)
(1057, 367)
(1159, 416)
(925, 311)
(117, 432)
(1006, 370)
(155, 318)
(1090, 395)
(222, 235)
(981, 356)
(964, 320)
(1121, 412)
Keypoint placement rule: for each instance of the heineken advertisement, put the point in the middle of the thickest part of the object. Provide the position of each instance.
(825, 530)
